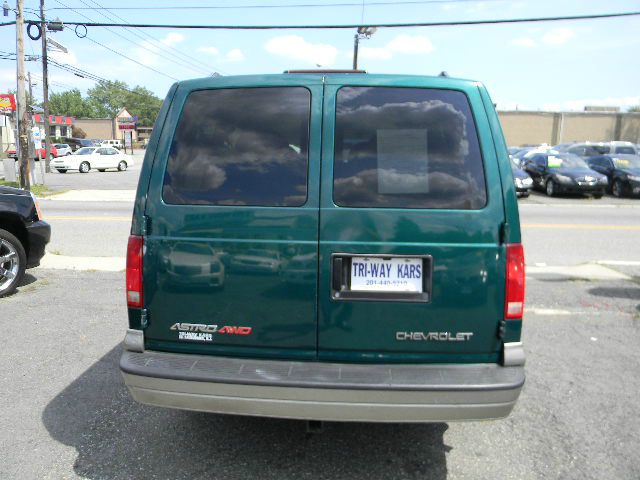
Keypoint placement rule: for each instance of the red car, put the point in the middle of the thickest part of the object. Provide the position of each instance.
(11, 153)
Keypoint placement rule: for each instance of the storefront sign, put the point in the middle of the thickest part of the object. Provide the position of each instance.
(7, 103)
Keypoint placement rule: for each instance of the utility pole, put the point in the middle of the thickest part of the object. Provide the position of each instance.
(22, 117)
(45, 89)
(363, 32)
(356, 39)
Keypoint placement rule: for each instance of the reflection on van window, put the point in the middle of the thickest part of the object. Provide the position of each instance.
(406, 148)
(244, 146)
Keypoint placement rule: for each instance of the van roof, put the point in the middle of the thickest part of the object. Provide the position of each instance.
(297, 77)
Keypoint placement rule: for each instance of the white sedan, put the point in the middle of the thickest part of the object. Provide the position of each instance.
(86, 158)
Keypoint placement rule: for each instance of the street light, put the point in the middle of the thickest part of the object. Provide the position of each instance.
(5, 9)
(363, 33)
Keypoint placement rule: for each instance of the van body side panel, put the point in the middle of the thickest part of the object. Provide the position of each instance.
(508, 188)
(233, 279)
(157, 134)
(513, 328)
(467, 259)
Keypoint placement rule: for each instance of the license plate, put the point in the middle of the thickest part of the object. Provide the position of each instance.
(396, 274)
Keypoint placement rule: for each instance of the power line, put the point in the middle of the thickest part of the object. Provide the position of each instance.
(353, 25)
(159, 51)
(188, 59)
(273, 6)
(131, 59)
(114, 51)
(90, 76)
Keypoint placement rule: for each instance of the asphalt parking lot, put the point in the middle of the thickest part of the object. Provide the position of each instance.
(68, 414)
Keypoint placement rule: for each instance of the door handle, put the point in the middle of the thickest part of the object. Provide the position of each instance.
(336, 273)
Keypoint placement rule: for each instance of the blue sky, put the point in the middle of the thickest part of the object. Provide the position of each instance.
(536, 66)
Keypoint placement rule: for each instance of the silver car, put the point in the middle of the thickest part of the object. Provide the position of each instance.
(63, 149)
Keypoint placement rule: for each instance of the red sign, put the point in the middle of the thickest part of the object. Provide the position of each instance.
(54, 120)
(7, 103)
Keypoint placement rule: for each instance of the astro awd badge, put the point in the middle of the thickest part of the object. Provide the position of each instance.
(199, 332)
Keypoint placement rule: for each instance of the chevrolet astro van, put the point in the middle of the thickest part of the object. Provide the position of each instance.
(353, 247)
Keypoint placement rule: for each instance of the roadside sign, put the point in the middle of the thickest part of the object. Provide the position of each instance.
(7, 103)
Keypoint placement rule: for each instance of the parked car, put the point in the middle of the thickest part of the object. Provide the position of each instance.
(53, 152)
(111, 143)
(622, 171)
(557, 173)
(412, 311)
(594, 149)
(100, 158)
(78, 143)
(521, 179)
(256, 261)
(193, 264)
(23, 236)
(62, 149)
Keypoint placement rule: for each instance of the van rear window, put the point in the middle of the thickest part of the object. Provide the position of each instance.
(406, 148)
(241, 146)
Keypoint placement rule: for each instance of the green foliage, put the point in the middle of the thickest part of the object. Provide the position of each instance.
(105, 100)
(635, 109)
(108, 98)
(70, 104)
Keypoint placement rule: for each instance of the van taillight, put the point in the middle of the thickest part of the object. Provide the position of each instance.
(514, 299)
(135, 296)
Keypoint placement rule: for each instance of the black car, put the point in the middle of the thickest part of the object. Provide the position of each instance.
(623, 172)
(557, 173)
(23, 236)
(77, 143)
(521, 179)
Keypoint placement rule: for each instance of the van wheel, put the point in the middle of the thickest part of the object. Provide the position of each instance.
(122, 166)
(61, 170)
(84, 167)
(13, 261)
(551, 188)
(617, 189)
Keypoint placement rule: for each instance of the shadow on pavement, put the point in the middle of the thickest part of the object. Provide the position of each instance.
(118, 438)
(632, 293)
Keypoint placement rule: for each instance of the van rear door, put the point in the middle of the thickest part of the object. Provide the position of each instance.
(412, 267)
(230, 265)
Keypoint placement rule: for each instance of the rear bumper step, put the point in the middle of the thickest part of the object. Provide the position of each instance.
(323, 391)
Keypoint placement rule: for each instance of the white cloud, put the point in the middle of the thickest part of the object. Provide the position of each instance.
(558, 36)
(573, 105)
(524, 42)
(297, 48)
(402, 44)
(234, 55)
(410, 44)
(209, 50)
(147, 52)
(61, 57)
(173, 38)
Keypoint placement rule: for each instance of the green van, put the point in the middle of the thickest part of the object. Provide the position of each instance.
(326, 246)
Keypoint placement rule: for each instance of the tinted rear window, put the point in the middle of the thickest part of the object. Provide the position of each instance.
(406, 148)
(244, 146)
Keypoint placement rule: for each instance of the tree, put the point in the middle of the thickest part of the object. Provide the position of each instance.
(108, 98)
(635, 109)
(70, 104)
(144, 104)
